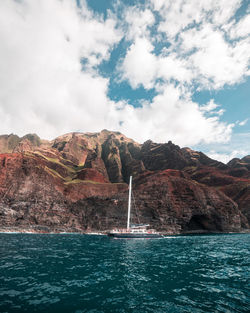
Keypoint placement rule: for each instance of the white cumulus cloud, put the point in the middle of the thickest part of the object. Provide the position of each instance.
(196, 54)
(43, 88)
(140, 65)
(138, 22)
(243, 123)
(51, 80)
(172, 115)
(224, 157)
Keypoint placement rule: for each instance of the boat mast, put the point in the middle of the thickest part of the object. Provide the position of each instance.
(129, 201)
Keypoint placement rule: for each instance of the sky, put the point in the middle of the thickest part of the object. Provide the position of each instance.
(152, 69)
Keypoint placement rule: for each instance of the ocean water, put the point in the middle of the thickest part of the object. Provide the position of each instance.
(84, 273)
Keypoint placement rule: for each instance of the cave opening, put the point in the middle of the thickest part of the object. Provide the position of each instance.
(203, 222)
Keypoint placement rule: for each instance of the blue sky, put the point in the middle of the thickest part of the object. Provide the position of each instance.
(156, 69)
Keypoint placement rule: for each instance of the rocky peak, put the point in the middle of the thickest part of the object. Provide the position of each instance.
(239, 163)
(110, 153)
(196, 158)
(246, 159)
(162, 156)
(33, 139)
(72, 147)
(9, 143)
(23, 145)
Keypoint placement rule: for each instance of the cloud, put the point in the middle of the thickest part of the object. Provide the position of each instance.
(140, 65)
(173, 116)
(210, 106)
(138, 22)
(243, 123)
(215, 61)
(195, 54)
(179, 14)
(199, 54)
(241, 29)
(225, 158)
(43, 87)
(52, 52)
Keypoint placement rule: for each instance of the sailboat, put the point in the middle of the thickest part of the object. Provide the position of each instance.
(134, 230)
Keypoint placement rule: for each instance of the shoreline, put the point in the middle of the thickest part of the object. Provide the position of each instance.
(18, 230)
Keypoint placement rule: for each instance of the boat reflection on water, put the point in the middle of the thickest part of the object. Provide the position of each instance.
(135, 268)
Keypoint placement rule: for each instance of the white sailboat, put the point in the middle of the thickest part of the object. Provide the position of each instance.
(134, 230)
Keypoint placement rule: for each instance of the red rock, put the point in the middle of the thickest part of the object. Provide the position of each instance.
(91, 174)
(79, 181)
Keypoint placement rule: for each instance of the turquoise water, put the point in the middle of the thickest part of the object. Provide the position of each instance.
(81, 273)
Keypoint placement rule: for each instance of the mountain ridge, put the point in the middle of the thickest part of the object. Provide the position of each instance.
(36, 141)
(80, 178)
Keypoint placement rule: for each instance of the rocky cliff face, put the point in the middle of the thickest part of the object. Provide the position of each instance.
(78, 182)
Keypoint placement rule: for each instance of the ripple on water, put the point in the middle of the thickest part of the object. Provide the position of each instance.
(77, 273)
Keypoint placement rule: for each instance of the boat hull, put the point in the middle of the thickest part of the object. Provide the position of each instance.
(130, 235)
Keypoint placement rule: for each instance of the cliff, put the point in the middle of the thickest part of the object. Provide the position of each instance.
(78, 182)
